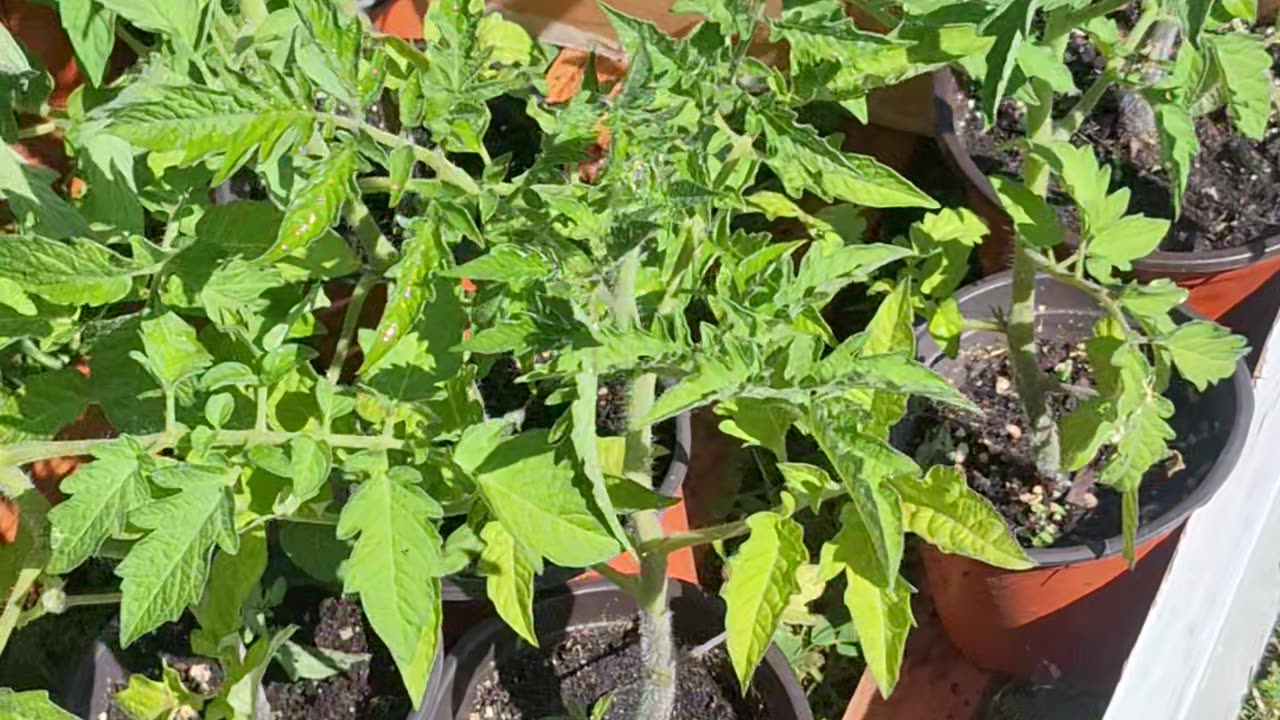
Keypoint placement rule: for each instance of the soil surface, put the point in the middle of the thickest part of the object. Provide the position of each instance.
(1232, 195)
(994, 451)
(366, 691)
(590, 663)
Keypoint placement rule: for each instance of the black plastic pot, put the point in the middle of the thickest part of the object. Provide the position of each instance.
(1232, 273)
(1081, 608)
(465, 600)
(99, 672)
(698, 617)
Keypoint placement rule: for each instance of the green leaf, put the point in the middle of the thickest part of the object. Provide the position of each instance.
(304, 662)
(147, 699)
(394, 567)
(91, 27)
(508, 573)
(427, 355)
(1178, 145)
(235, 290)
(82, 272)
(331, 57)
(1039, 61)
(585, 446)
(945, 326)
(953, 518)
(1122, 242)
(315, 550)
(1193, 15)
(758, 421)
(176, 19)
(1033, 219)
(410, 291)
(1142, 440)
(1245, 67)
(166, 570)
(105, 163)
(810, 485)
(33, 201)
(244, 674)
(900, 375)
(505, 264)
(1010, 24)
(892, 328)
(198, 122)
(1246, 10)
(711, 379)
(173, 352)
(231, 581)
(103, 493)
(316, 204)
(1205, 352)
(30, 705)
(552, 516)
(1084, 431)
(804, 161)
(762, 579)
(883, 619)
(310, 463)
(1152, 301)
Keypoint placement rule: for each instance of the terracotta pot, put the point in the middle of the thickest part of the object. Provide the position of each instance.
(402, 18)
(1080, 609)
(1218, 279)
(697, 617)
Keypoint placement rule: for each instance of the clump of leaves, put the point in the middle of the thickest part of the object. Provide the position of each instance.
(195, 320)
(1137, 346)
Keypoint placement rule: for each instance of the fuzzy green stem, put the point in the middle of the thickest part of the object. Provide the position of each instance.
(1071, 122)
(43, 358)
(29, 452)
(138, 47)
(1024, 361)
(354, 306)
(170, 412)
(45, 128)
(90, 599)
(379, 251)
(433, 158)
(1035, 171)
(657, 642)
(260, 401)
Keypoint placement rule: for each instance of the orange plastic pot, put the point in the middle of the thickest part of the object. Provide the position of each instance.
(1080, 609)
(1218, 280)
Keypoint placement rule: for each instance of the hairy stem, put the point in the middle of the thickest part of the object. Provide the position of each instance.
(433, 158)
(378, 249)
(29, 452)
(354, 306)
(657, 643)
(45, 128)
(1071, 122)
(88, 599)
(1024, 361)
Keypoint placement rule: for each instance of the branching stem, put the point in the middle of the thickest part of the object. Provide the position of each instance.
(349, 321)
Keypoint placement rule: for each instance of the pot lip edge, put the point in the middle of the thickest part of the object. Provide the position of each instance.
(479, 637)
(1214, 478)
(1161, 262)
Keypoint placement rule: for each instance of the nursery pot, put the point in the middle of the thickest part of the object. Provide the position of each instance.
(1080, 609)
(698, 617)
(99, 674)
(467, 603)
(1218, 279)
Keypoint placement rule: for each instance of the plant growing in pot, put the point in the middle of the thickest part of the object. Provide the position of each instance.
(197, 319)
(1175, 97)
(1079, 373)
(648, 272)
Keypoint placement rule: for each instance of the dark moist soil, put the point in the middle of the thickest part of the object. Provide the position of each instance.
(589, 663)
(366, 691)
(1232, 195)
(168, 644)
(994, 451)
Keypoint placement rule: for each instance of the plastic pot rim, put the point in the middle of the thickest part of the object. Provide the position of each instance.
(1241, 386)
(1161, 263)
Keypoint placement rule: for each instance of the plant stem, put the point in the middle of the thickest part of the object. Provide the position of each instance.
(657, 642)
(49, 361)
(433, 158)
(1071, 122)
(379, 250)
(29, 452)
(1024, 361)
(138, 47)
(88, 599)
(260, 401)
(1035, 171)
(45, 128)
(354, 306)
